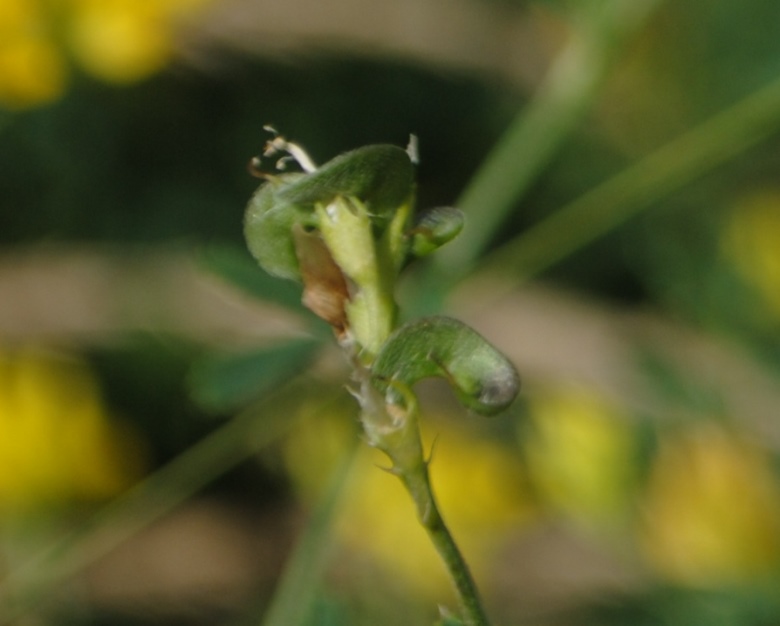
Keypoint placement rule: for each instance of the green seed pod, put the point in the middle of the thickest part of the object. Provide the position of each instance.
(434, 228)
(483, 379)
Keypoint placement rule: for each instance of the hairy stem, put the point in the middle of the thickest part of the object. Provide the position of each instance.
(395, 430)
(417, 483)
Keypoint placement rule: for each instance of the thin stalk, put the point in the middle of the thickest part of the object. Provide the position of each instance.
(418, 485)
(700, 150)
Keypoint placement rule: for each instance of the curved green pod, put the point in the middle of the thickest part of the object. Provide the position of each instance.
(483, 379)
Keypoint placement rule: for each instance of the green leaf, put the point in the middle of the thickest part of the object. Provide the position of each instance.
(235, 266)
(230, 381)
(483, 379)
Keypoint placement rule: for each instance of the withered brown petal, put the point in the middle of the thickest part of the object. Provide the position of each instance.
(325, 290)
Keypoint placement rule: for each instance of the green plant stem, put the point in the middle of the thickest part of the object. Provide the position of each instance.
(537, 132)
(417, 483)
(677, 163)
(26, 588)
(395, 430)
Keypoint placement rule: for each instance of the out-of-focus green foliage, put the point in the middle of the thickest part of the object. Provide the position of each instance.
(233, 380)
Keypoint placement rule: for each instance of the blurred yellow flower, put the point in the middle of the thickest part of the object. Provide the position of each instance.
(119, 41)
(56, 441)
(751, 240)
(581, 455)
(123, 41)
(479, 484)
(711, 513)
(32, 68)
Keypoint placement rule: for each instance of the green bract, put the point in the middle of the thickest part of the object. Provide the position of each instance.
(380, 176)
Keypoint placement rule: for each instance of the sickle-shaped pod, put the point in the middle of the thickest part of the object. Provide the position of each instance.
(483, 379)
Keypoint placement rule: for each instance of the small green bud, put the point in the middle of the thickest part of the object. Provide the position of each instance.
(434, 228)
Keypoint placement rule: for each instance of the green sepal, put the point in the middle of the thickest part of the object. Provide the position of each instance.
(483, 379)
(380, 176)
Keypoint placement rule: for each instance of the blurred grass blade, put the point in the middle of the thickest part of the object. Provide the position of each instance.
(296, 593)
(230, 381)
(234, 265)
(723, 136)
(539, 129)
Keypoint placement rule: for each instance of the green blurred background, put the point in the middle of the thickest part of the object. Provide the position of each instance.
(170, 417)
